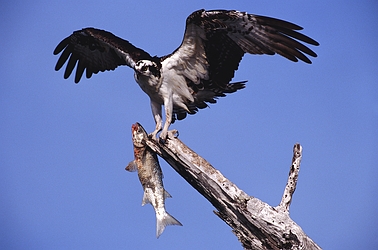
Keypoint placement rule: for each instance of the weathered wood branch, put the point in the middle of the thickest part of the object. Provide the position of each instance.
(256, 224)
(293, 178)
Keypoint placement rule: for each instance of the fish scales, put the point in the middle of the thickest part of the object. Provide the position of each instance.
(151, 177)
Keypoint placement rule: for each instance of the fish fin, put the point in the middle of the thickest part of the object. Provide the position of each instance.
(132, 166)
(166, 220)
(145, 199)
(166, 194)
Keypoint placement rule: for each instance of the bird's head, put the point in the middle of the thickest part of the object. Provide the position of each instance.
(147, 68)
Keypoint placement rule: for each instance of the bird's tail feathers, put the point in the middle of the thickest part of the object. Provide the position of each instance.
(234, 86)
(205, 96)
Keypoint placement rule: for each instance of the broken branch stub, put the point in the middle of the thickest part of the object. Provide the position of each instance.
(293, 178)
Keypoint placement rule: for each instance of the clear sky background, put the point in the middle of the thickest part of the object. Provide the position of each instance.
(64, 146)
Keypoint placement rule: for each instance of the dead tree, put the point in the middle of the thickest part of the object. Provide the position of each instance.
(256, 224)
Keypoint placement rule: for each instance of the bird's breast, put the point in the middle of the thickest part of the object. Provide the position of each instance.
(150, 85)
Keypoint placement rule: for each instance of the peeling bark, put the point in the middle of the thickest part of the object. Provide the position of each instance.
(256, 224)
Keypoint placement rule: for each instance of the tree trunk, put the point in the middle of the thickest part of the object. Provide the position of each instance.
(256, 224)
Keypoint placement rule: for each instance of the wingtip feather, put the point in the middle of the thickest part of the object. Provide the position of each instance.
(61, 45)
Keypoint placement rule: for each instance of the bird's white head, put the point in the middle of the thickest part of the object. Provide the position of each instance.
(147, 68)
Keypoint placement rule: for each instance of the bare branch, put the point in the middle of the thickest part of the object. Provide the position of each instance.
(293, 178)
(256, 224)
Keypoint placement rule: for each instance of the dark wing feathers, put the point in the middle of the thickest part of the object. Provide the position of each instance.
(286, 27)
(231, 34)
(228, 36)
(279, 36)
(224, 56)
(256, 34)
(96, 50)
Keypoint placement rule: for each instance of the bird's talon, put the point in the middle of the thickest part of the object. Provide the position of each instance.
(162, 141)
(173, 133)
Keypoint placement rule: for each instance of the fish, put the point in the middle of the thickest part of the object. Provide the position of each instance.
(151, 177)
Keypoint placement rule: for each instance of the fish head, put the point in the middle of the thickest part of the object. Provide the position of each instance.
(138, 134)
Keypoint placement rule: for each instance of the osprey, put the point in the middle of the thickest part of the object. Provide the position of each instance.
(198, 71)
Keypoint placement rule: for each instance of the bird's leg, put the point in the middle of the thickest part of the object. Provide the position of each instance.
(156, 112)
(168, 106)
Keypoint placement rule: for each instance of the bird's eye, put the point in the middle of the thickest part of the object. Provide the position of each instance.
(144, 68)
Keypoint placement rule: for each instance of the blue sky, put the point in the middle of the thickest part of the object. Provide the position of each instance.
(64, 146)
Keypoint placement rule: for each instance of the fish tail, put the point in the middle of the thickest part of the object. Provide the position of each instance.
(165, 220)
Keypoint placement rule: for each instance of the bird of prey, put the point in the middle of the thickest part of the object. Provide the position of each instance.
(199, 71)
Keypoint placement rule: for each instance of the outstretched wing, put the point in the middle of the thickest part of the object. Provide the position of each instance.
(96, 50)
(215, 42)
